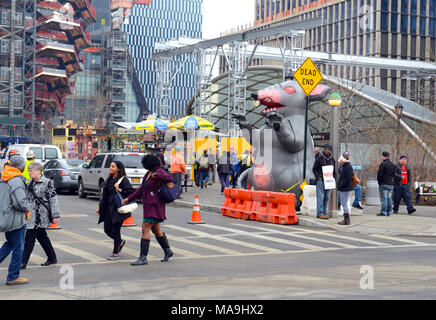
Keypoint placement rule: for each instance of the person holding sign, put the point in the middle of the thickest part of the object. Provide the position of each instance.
(345, 187)
(325, 174)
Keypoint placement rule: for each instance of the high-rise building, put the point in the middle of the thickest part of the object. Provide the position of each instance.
(397, 29)
(159, 21)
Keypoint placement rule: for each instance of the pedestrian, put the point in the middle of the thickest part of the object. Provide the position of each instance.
(357, 188)
(196, 168)
(178, 168)
(385, 178)
(11, 153)
(153, 208)
(402, 186)
(316, 151)
(204, 169)
(14, 200)
(212, 165)
(246, 163)
(30, 155)
(322, 194)
(224, 170)
(235, 169)
(44, 210)
(107, 209)
(345, 187)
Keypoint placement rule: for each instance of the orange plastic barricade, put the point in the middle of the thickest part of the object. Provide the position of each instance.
(237, 203)
(129, 222)
(259, 209)
(274, 207)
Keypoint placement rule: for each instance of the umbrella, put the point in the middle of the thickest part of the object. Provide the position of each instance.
(192, 123)
(151, 125)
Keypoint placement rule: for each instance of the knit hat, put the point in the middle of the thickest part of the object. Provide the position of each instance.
(178, 148)
(329, 147)
(343, 159)
(385, 154)
(403, 157)
(346, 155)
(17, 162)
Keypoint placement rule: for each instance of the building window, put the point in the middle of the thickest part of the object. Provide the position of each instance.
(384, 21)
(394, 5)
(403, 23)
(394, 22)
(413, 25)
(422, 22)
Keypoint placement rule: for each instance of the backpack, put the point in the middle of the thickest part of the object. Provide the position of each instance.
(7, 212)
(204, 163)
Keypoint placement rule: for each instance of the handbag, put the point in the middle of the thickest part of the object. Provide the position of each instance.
(127, 208)
(355, 180)
(169, 192)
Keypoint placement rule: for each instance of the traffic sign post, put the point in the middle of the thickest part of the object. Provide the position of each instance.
(308, 77)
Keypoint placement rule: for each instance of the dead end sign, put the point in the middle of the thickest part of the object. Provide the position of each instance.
(308, 76)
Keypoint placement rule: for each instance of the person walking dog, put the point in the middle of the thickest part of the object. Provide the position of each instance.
(153, 207)
(345, 187)
(44, 209)
(107, 209)
(14, 207)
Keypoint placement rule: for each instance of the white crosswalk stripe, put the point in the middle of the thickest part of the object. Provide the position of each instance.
(228, 240)
(77, 252)
(381, 236)
(325, 233)
(198, 244)
(36, 259)
(263, 237)
(156, 245)
(125, 250)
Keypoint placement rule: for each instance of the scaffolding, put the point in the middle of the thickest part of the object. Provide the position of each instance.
(204, 60)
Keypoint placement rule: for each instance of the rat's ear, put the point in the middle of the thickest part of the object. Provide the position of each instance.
(319, 93)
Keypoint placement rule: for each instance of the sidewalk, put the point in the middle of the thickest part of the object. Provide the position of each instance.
(420, 223)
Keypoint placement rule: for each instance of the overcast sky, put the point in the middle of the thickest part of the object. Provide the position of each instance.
(222, 15)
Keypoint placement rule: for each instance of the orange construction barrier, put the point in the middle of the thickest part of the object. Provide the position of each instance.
(265, 206)
(237, 203)
(54, 226)
(274, 207)
(129, 222)
(196, 216)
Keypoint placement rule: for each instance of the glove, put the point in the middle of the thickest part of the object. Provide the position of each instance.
(27, 215)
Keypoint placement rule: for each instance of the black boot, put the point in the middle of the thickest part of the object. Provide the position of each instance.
(346, 220)
(142, 260)
(163, 241)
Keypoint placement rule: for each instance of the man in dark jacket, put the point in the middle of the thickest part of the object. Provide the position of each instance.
(323, 195)
(385, 178)
(402, 186)
(224, 170)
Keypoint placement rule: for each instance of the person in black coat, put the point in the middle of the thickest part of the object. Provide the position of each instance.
(345, 187)
(385, 177)
(107, 210)
(224, 170)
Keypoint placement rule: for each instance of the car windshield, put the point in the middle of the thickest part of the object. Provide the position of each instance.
(73, 163)
(131, 161)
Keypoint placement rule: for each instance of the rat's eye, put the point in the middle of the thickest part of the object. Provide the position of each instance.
(290, 90)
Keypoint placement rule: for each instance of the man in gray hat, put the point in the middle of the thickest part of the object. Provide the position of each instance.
(14, 213)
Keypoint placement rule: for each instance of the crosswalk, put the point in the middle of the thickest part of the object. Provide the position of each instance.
(234, 239)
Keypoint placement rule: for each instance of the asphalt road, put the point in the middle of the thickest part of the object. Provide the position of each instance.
(225, 259)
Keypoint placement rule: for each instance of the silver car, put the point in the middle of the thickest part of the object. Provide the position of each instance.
(92, 176)
(64, 173)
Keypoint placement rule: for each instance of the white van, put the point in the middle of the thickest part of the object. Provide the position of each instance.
(43, 153)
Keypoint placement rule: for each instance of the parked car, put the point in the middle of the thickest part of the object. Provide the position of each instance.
(43, 153)
(64, 173)
(92, 176)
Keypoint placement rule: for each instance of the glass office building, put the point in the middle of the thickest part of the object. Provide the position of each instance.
(161, 21)
(397, 29)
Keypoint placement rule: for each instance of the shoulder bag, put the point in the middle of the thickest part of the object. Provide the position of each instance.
(128, 208)
(355, 180)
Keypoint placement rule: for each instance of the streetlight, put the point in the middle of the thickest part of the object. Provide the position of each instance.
(335, 101)
(398, 111)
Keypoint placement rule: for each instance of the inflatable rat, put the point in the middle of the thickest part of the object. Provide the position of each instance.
(278, 146)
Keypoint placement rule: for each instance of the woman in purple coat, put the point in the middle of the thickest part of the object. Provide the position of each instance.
(154, 207)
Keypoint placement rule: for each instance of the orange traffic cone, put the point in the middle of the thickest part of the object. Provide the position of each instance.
(196, 216)
(129, 222)
(54, 226)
